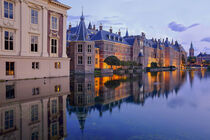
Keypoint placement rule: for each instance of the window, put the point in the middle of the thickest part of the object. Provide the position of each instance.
(34, 16)
(53, 46)
(34, 43)
(9, 119)
(96, 51)
(79, 59)
(57, 65)
(54, 21)
(35, 65)
(8, 10)
(89, 60)
(54, 129)
(54, 107)
(96, 61)
(89, 48)
(79, 87)
(34, 113)
(8, 40)
(35, 136)
(89, 86)
(35, 91)
(57, 88)
(10, 91)
(10, 68)
(80, 48)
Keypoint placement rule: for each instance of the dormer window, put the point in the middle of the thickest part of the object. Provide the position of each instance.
(8, 10)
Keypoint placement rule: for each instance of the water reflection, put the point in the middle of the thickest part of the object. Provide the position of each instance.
(33, 109)
(111, 92)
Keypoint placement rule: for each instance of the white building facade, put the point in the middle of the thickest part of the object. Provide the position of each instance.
(33, 39)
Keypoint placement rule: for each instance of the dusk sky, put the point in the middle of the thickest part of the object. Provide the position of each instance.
(182, 20)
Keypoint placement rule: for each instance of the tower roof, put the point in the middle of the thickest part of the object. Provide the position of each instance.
(191, 46)
(126, 35)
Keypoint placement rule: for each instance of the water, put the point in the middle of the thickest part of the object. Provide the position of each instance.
(164, 105)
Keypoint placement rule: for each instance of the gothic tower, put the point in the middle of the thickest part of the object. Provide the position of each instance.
(191, 51)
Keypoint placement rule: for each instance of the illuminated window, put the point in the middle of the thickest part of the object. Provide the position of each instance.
(54, 23)
(34, 113)
(34, 43)
(34, 16)
(57, 65)
(10, 91)
(96, 61)
(79, 59)
(10, 68)
(8, 10)
(89, 60)
(35, 65)
(89, 48)
(57, 88)
(54, 106)
(79, 48)
(53, 46)
(8, 40)
(9, 119)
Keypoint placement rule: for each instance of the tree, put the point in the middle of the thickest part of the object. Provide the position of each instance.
(112, 60)
(154, 65)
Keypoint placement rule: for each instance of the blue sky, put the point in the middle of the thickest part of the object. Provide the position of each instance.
(182, 20)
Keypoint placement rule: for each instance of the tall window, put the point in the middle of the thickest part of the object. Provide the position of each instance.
(10, 91)
(89, 48)
(8, 10)
(89, 60)
(9, 119)
(34, 113)
(10, 68)
(96, 61)
(35, 136)
(54, 129)
(53, 46)
(34, 43)
(54, 22)
(34, 16)
(89, 86)
(79, 87)
(54, 106)
(35, 91)
(80, 48)
(8, 40)
(79, 59)
(57, 88)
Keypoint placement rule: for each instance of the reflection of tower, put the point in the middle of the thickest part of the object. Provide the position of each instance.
(191, 77)
(81, 116)
(191, 51)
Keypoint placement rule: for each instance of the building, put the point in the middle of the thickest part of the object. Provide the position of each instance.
(137, 49)
(203, 58)
(191, 50)
(37, 111)
(33, 39)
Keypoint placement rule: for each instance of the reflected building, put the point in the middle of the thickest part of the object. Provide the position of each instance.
(33, 109)
(112, 92)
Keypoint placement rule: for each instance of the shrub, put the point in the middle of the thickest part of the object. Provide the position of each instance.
(154, 65)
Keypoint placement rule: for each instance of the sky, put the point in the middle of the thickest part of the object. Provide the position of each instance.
(183, 20)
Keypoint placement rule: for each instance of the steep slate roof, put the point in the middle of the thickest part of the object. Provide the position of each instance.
(130, 40)
(108, 36)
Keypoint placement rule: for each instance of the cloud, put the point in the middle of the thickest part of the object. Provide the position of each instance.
(206, 39)
(179, 27)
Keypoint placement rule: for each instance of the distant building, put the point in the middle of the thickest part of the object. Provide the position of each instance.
(203, 57)
(33, 39)
(191, 50)
(137, 49)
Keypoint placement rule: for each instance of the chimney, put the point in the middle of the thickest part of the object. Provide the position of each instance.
(119, 33)
(101, 27)
(110, 30)
(94, 27)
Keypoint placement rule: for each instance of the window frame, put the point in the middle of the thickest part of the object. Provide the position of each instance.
(89, 48)
(79, 59)
(52, 24)
(10, 72)
(9, 10)
(34, 18)
(9, 41)
(35, 42)
(89, 60)
(54, 54)
(79, 50)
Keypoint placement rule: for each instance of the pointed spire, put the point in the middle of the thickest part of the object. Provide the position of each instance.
(82, 17)
(172, 42)
(191, 46)
(90, 26)
(127, 33)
